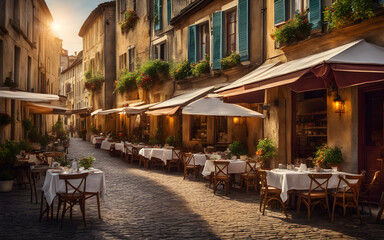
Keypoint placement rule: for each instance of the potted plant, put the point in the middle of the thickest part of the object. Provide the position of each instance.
(328, 157)
(25, 146)
(203, 66)
(230, 61)
(294, 30)
(237, 149)
(8, 152)
(87, 162)
(266, 150)
(170, 140)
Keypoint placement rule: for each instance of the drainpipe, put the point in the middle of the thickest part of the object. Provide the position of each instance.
(263, 11)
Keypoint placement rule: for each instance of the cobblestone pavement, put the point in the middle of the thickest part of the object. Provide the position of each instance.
(154, 204)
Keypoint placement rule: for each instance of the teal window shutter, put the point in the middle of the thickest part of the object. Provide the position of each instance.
(193, 43)
(243, 13)
(315, 13)
(169, 10)
(279, 11)
(217, 39)
(157, 8)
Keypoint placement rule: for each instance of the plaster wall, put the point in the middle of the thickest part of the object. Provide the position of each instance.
(137, 38)
(27, 28)
(342, 128)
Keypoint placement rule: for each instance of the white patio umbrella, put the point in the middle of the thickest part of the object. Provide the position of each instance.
(214, 106)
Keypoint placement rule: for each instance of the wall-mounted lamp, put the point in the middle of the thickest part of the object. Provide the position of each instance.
(266, 107)
(236, 120)
(338, 104)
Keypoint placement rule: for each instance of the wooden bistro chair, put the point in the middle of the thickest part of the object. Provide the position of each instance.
(365, 197)
(221, 175)
(347, 196)
(317, 194)
(250, 175)
(75, 193)
(190, 165)
(268, 193)
(177, 159)
(127, 153)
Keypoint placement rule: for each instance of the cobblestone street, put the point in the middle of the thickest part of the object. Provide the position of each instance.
(154, 204)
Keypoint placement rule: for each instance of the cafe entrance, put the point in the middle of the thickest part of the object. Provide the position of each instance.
(371, 135)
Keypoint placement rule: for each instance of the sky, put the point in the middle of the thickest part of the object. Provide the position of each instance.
(69, 16)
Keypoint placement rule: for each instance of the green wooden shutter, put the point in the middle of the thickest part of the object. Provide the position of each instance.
(157, 8)
(315, 13)
(169, 10)
(193, 43)
(217, 39)
(279, 11)
(243, 13)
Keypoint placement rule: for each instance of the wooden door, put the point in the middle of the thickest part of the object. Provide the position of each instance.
(371, 135)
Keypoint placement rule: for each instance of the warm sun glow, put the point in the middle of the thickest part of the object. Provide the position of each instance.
(55, 27)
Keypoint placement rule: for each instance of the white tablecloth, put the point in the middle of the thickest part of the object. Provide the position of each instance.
(234, 167)
(106, 145)
(293, 180)
(160, 153)
(145, 152)
(200, 159)
(53, 185)
(119, 147)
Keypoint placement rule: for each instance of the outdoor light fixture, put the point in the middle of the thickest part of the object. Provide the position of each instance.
(236, 120)
(338, 104)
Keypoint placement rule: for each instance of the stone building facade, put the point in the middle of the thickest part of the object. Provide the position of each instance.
(72, 80)
(30, 57)
(98, 33)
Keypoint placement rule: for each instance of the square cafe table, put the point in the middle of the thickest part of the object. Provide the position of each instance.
(53, 185)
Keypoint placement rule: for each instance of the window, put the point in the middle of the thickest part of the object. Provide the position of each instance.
(131, 59)
(224, 33)
(198, 128)
(123, 61)
(2, 14)
(122, 9)
(221, 129)
(169, 10)
(160, 52)
(231, 31)
(204, 40)
(29, 74)
(311, 122)
(16, 12)
(16, 65)
(134, 5)
(157, 14)
(198, 42)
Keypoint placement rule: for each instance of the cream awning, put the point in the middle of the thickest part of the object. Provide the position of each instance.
(139, 109)
(45, 108)
(163, 111)
(110, 111)
(96, 111)
(351, 64)
(28, 96)
(183, 99)
(214, 106)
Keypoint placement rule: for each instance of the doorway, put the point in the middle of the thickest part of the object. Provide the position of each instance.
(371, 135)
